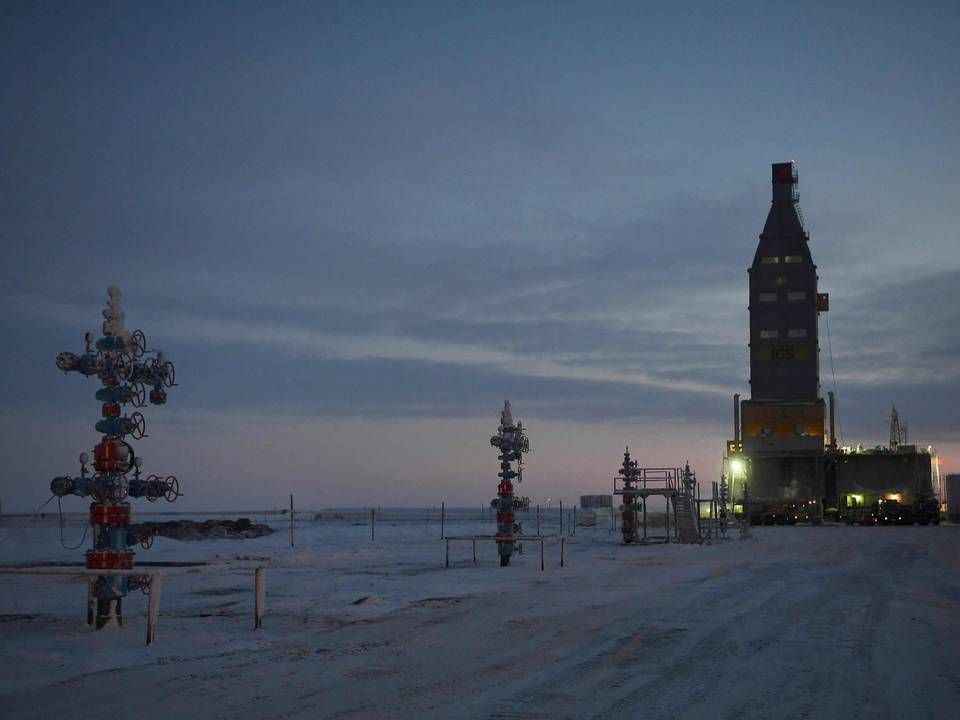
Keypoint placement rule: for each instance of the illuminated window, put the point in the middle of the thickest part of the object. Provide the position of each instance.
(769, 334)
(769, 260)
(797, 295)
(793, 258)
(767, 297)
(797, 332)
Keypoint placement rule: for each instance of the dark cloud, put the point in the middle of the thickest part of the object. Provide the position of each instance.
(901, 330)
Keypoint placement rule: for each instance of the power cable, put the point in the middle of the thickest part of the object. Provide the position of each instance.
(62, 543)
(833, 373)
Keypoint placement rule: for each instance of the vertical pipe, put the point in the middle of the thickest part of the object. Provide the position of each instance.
(562, 539)
(574, 519)
(474, 549)
(153, 608)
(541, 554)
(448, 553)
(538, 521)
(291, 520)
(668, 515)
(260, 598)
(833, 418)
(736, 420)
(373, 523)
(443, 512)
(644, 518)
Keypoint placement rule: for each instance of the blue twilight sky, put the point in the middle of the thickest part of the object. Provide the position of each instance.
(358, 227)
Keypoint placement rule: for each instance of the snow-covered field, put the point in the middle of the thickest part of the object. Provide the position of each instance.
(795, 622)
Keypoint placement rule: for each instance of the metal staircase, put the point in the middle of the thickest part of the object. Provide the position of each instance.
(688, 530)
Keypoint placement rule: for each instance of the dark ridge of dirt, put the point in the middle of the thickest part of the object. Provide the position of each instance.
(242, 528)
(62, 564)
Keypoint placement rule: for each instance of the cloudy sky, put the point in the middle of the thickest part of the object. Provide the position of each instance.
(358, 227)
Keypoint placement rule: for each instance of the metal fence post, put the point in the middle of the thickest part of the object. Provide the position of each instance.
(153, 608)
(260, 598)
(562, 542)
(91, 601)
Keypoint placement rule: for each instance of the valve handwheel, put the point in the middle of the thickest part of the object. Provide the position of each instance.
(138, 426)
(98, 490)
(67, 361)
(138, 343)
(173, 489)
(122, 366)
(169, 374)
(138, 394)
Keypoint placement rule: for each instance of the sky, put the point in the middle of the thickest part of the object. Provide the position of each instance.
(358, 227)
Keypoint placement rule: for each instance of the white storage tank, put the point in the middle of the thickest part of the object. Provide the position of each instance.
(596, 510)
(596, 501)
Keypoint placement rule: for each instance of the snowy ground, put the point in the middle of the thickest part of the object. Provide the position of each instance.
(842, 622)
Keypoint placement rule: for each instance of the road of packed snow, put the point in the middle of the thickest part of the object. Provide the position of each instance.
(796, 622)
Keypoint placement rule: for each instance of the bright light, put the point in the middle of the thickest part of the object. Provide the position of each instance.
(893, 496)
(736, 467)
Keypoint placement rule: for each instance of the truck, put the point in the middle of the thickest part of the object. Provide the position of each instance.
(889, 510)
